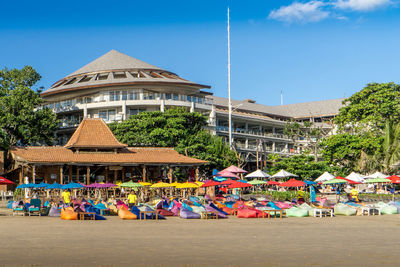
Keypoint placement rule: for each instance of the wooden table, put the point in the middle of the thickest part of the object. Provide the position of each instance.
(208, 215)
(90, 216)
(153, 213)
(370, 211)
(268, 213)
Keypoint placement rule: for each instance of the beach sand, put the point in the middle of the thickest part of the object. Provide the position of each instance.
(339, 241)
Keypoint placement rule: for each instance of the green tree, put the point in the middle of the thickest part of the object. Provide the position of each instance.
(21, 121)
(176, 128)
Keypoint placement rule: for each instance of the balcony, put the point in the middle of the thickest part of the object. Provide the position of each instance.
(242, 131)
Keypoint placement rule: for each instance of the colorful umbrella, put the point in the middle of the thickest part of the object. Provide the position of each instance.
(42, 185)
(293, 183)
(395, 179)
(199, 183)
(348, 180)
(72, 186)
(145, 183)
(227, 174)
(187, 185)
(257, 182)
(336, 181)
(160, 185)
(228, 182)
(210, 183)
(273, 183)
(378, 181)
(239, 185)
(5, 181)
(234, 169)
(283, 174)
(54, 186)
(258, 174)
(131, 184)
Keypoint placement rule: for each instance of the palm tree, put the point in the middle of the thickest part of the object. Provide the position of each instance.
(390, 154)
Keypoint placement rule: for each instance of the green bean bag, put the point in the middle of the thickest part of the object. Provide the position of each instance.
(296, 212)
(386, 208)
(342, 209)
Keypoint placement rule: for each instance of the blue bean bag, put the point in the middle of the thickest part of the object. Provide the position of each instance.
(135, 210)
(9, 204)
(187, 214)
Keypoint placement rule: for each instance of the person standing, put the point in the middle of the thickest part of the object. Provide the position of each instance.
(132, 199)
(66, 196)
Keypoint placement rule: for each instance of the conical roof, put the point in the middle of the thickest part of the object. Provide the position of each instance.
(326, 176)
(114, 60)
(258, 174)
(283, 174)
(93, 133)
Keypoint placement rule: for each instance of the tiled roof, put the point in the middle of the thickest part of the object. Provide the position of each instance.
(93, 133)
(138, 155)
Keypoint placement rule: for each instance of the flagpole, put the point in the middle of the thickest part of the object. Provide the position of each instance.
(229, 86)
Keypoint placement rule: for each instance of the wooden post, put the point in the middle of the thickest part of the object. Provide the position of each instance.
(144, 173)
(115, 176)
(33, 174)
(87, 175)
(77, 174)
(70, 173)
(21, 175)
(106, 170)
(123, 174)
(170, 174)
(61, 175)
(197, 174)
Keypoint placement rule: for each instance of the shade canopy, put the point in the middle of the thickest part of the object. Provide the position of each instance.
(273, 183)
(348, 180)
(283, 174)
(239, 185)
(376, 175)
(5, 181)
(395, 179)
(257, 182)
(378, 180)
(258, 174)
(42, 185)
(336, 181)
(227, 174)
(356, 177)
(211, 183)
(145, 183)
(310, 182)
(228, 182)
(72, 186)
(160, 185)
(219, 179)
(293, 183)
(234, 169)
(131, 184)
(187, 185)
(22, 186)
(326, 176)
(54, 186)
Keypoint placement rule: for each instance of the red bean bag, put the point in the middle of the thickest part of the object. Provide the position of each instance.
(164, 212)
(248, 213)
(227, 210)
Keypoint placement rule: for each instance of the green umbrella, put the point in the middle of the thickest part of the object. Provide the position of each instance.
(257, 182)
(378, 180)
(130, 184)
(335, 181)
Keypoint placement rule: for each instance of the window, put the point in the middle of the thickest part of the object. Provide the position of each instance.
(189, 98)
(133, 95)
(124, 95)
(135, 111)
(148, 96)
(183, 98)
(88, 100)
(111, 115)
(195, 99)
(175, 97)
(200, 100)
(103, 115)
(119, 75)
(168, 96)
(107, 115)
(102, 76)
(115, 96)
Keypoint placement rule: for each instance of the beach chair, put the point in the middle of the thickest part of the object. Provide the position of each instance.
(19, 209)
(34, 208)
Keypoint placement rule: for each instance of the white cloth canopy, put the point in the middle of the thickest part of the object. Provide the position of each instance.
(258, 174)
(376, 175)
(356, 177)
(283, 174)
(326, 176)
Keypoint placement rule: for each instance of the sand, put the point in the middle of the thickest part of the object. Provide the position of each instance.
(339, 241)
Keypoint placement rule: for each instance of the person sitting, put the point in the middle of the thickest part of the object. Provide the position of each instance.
(132, 198)
(354, 195)
(301, 195)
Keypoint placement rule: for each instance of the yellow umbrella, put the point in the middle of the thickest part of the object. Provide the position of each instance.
(145, 183)
(187, 185)
(160, 185)
(199, 183)
(175, 184)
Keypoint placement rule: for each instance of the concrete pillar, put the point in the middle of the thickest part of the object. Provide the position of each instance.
(85, 113)
(192, 107)
(162, 105)
(246, 127)
(273, 146)
(273, 130)
(246, 144)
(286, 148)
(124, 115)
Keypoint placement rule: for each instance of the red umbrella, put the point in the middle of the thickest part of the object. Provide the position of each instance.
(227, 174)
(210, 183)
(239, 185)
(5, 181)
(293, 183)
(227, 182)
(234, 169)
(273, 183)
(395, 179)
(348, 180)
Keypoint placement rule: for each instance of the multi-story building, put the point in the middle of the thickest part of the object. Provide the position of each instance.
(116, 86)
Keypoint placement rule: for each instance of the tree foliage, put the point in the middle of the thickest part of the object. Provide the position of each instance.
(21, 121)
(304, 166)
(176, 128)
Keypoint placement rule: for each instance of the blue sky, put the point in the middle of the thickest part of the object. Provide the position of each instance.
(312, 50)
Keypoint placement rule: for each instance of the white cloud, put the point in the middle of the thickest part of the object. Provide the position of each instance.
(361, 5)
(300, 12)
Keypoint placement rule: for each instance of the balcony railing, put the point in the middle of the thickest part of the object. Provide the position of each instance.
(250, 132)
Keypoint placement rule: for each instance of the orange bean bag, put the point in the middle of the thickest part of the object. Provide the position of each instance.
(125, 214)
(69, 214)
(228, 210)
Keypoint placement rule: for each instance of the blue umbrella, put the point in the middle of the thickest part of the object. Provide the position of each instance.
(215, 171)
(42, 185)
(22, 186)
(309, 182)
(55, 186)
(72, 186)
(219, 179)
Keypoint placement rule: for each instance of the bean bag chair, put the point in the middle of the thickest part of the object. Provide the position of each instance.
(387, 209)
(125, 214)
(69, 214)
(296, 212)
(212, 208)
(342, 209)
(283, 205)
(164, 212)
(135, 210)
(198, 210)
(179, 205)
(273, 205)
(227, 210)
(394, 204)
(247, 213)
(121, 204)
(218, 209)
(186, 206)
(307, 207)
(10, 204)
(187, 214)
(54, 212)
(175, 210)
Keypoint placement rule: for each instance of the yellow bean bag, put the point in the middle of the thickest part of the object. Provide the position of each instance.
(69, 214)
(125, 214)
